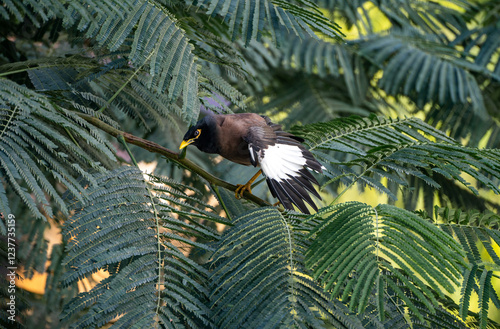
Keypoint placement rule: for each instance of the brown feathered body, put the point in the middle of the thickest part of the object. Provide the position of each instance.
(252, 139)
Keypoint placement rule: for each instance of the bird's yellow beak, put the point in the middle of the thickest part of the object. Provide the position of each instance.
(186, 143)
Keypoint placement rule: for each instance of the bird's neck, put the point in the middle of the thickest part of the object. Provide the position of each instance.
(210, 142)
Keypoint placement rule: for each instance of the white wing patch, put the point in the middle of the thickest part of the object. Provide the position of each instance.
(281, 160)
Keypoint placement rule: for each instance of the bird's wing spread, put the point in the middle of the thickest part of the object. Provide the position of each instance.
(284, 162)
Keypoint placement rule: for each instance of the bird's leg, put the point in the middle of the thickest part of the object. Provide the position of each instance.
(247, 187)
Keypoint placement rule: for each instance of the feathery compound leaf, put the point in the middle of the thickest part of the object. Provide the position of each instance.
(148, 37)
(475, 231)
(367, 132)
(430, 16)
(438, 317)
(88, 85)
(326, 59)
(425, 70)
(484, 297)
(39, 143)
(250, 19)
(258, 277)
(392, 148)
(355, 242)
(129, 228)
(471, 228)
(466, 292)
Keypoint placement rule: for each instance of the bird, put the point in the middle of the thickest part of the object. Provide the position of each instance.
(253, 139)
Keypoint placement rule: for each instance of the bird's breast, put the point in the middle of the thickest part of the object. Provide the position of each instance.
(236, 151)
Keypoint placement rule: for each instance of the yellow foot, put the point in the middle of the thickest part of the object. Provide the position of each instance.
(240, 189)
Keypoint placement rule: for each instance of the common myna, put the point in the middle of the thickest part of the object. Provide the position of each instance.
(252, 139)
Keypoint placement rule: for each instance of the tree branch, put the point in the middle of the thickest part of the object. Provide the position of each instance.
(174, 156)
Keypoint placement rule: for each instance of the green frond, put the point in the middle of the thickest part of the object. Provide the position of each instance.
(486, 38)
(484, 297)
(129, 228)
(251, 19)
(257, 277)
(395, 148)
(432, 17)
(231, 205)
(354, 246)
(325, 59)
(160, 44)
(380, 296)
(468, 285)
(220, 90)
(307, 79)
(475, 231)
(441, 316)
(471, 229)
(369, 132)
(148, 35)
(88, 85)
(41, 142)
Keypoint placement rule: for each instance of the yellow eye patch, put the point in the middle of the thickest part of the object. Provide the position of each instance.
(196, 134)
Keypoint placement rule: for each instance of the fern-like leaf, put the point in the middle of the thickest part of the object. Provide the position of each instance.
(147, 34)
(432, 17)
(258, 277)
(389, 148)
(484, 297)
(325, 59)
(248, 19)
(136, 231)
(467, 287)
(40, 142)
(442, 316)
(357, 242)
(425, 70)
(474, 231)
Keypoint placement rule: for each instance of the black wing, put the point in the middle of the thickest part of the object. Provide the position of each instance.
(285, 163)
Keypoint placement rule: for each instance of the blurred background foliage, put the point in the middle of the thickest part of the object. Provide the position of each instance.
(150, 68)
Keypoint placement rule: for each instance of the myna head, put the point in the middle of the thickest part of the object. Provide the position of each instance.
(204, 135)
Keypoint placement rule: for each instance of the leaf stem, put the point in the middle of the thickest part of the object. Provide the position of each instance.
(122, 140)
(290, 250)
(123, 86)
(8, 122)
(221, 201)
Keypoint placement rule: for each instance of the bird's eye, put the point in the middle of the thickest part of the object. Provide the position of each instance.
(197, 132)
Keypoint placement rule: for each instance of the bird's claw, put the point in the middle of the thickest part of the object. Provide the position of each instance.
(240, 189)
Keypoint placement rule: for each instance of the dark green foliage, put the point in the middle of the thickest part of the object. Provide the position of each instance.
(233, 206)
(75, 73)
(474, 230)
(424, 15)
(378, 148)
(248, 19)
(424, 70)
(147, 32)
(129, 229)
(357, 248)
(258, 277)
(38, 147)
